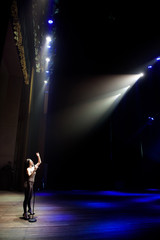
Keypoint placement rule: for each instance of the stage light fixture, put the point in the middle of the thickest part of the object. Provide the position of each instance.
(150, 121)
(50, 21)
(48, 39)
(47, 59)
(141, 74)
(138, 76)
(151, 118)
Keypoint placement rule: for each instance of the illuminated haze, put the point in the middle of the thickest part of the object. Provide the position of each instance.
(88, 101)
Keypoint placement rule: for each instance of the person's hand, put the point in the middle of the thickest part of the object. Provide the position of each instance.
(39, 158)
(38, 155)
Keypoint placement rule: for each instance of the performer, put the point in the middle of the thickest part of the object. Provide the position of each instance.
(29, 178)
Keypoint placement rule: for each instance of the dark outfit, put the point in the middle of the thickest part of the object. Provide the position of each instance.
(28, 191)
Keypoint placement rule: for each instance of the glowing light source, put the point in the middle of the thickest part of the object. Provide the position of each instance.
(47, 59)
(50, 21)
(48, 39)
(158, 58)
(141, 74)
(150, 66)
(45, 81)
(118, 95)
(150, 118)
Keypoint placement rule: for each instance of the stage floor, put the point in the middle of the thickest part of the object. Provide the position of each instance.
(68, 215)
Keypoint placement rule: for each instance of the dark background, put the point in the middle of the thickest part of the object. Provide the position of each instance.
(106, 36)
(96, 38)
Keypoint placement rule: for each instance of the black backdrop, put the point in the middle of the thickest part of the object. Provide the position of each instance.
(122, 151)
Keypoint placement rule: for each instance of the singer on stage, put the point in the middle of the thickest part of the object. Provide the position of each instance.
(29, 178)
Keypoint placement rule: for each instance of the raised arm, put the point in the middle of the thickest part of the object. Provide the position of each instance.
(33, 168)
(39, 159)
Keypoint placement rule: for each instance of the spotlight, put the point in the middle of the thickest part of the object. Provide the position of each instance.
(45, 81)
(150, 66)
(158, 58)
(48, 39)
(141, 74)
(47, 60)
(150, 118)
(47, 71)
(48, 46)
(50, 21)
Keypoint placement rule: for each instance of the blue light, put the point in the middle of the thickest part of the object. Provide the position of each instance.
(149, 66)
(112, 228)
(96, 205)
(151, 118)
(45, 194)
(50, 21)
(117, 193)
(151, 198)
(158, 58)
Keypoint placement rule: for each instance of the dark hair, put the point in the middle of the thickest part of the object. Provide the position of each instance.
(26, 165)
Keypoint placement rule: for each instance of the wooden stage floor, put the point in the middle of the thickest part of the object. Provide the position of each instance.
(74, 215)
